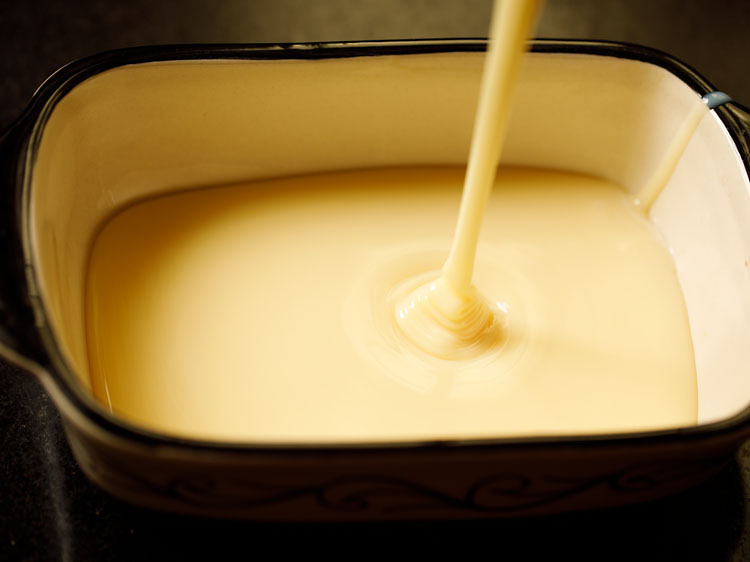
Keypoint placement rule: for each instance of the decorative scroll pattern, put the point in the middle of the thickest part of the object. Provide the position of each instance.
(499, 493)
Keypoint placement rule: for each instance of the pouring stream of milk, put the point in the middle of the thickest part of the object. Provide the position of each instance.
(447, 317)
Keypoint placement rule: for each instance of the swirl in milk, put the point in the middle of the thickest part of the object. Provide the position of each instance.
(448, 324)
(482, 363)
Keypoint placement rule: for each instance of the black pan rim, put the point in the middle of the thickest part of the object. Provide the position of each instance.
(58, 373)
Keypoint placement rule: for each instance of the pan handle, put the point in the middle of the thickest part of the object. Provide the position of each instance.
(20, 342)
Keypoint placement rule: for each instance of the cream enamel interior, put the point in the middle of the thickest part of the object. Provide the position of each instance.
(147, 129)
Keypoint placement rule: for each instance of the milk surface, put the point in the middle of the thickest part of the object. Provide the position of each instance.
(262, 312)
(322, 308)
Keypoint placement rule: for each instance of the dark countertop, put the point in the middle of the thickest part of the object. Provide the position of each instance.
(50, 511)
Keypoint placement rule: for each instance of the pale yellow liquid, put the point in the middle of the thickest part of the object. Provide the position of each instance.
(446, 316)
(264, 312)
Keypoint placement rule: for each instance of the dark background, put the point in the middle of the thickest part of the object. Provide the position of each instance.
(50, 511)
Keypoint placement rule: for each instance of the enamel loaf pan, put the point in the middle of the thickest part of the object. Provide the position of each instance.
(598, 108)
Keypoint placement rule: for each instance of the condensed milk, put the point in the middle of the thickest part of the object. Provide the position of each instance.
(263, 312)
(274, 310)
